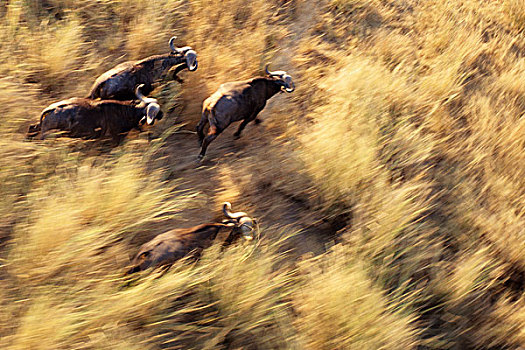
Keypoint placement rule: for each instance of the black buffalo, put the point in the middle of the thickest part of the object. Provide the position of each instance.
(239, 100)
(86, 118)
(119, 82)
(173, 245)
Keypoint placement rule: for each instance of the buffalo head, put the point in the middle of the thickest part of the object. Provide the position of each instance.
(241, 222)
(189, 54)
(284, 78)
(152, 106)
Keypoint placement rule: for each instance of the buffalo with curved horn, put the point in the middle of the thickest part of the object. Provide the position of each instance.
(239, 100)
(173, 245)
(118, 83)
(87, 118)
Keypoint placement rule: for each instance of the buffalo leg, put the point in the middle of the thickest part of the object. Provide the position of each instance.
(245, 122)
(200, 127)
(115, 140)
(229, 240)
(212, 135)
(241, 128)
(179, 68)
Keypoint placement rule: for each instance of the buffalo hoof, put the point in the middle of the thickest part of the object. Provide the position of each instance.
(257, 121)
(236, 136)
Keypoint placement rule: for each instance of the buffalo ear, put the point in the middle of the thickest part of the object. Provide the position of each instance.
(143, 256)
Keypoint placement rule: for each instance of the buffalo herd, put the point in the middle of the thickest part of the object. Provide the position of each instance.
(117, 104)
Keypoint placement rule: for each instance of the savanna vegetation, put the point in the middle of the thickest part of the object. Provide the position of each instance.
(389, 187)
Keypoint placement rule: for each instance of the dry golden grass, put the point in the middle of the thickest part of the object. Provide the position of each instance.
(348, 311)
(405, 137)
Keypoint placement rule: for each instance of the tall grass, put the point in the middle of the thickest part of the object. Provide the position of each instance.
(349, 312)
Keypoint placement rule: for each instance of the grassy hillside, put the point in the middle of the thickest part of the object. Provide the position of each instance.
(390, 186)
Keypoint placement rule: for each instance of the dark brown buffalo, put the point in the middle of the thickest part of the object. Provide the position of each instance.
(86, 118)
(173, 245)
(119, 82)
(239, 100)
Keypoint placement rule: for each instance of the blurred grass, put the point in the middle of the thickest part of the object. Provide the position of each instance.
(405, 136)
(334, 291)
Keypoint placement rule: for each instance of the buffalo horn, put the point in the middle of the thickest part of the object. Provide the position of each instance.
(226, 209)
(172, 43)
(141, 97)
(277, 73)
(139, 94)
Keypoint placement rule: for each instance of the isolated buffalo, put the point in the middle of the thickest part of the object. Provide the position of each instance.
(239, 100)
(173, 245)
